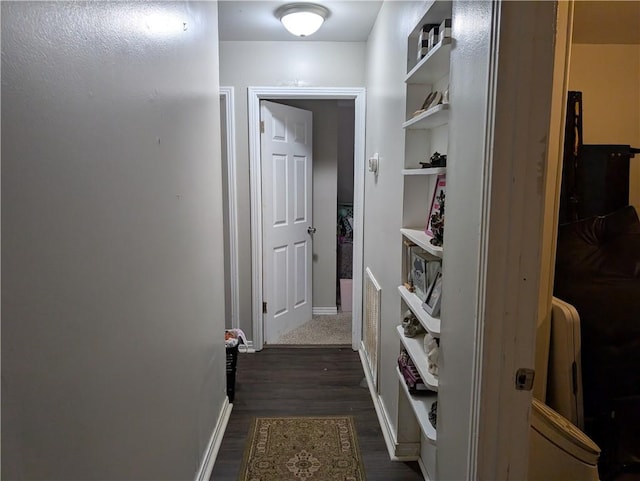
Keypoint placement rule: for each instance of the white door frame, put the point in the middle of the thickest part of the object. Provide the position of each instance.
(227, 93)
(254, 95)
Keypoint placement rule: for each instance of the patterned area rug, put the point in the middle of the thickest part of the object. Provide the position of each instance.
(302, 449)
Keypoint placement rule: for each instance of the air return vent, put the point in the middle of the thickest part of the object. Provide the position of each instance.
(371, 325)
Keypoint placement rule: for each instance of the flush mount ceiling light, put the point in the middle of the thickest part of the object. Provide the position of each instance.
(302, 19)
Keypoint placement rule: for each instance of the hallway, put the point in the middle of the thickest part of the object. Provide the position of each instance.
(300, 382)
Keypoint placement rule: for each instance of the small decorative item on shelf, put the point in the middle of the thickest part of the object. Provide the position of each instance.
(434, 297)
(436, 160)
(445, 96)
(411, 325)
(423, 39)
(432, 99)
(433, 414)
(432, 39)
(445, 29)
(410, 374)
(432, 349)
(435, 220)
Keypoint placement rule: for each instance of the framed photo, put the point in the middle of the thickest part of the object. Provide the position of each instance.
(434, 297)
(419, 273)
(423, 269)
(436, 210)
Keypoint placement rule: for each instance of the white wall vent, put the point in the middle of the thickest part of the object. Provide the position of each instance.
(371, 325)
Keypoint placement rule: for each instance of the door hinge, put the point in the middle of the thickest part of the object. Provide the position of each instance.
(262, 126)
(524, 379)
(264, 307)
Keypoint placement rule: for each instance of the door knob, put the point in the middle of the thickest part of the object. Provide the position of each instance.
(311, 230)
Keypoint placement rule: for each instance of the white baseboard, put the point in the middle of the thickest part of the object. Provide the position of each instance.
(325, 311)
(248, 348)
(211, 453)
(423, 468)
(397, 451)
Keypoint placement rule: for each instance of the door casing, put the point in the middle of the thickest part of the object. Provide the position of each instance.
(255, 94)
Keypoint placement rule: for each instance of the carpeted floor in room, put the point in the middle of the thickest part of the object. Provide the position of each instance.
(333, 330)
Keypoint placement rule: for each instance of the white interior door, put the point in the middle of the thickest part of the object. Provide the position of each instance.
(286, 146)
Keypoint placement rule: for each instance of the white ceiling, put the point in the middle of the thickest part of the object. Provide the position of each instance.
(349, 21)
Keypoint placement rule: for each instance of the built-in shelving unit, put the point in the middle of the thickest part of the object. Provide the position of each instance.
(426, 171)
(426, 132)
(433, 117)
(415, 348)
(421, 405)
(422, 239)
(431, 324)
(433, 66)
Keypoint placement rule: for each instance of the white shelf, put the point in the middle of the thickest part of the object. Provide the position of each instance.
(427, 171)
(421, 406)
(415, 348)
(420, 237)
(431, 324)
(434, 117)
(433, 66)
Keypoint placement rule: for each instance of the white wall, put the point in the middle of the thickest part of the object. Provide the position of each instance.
(386, 70)
(112, 293)
(262, 64)
(609, 78)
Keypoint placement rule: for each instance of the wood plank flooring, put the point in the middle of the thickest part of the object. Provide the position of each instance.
(306, 382)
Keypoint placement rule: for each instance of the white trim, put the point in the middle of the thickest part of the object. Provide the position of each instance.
(512, 208)
(397, 451)
(248, 348)
(254, 95)
(325, 311)
(211, 452)
(228, 94)
(423, 468)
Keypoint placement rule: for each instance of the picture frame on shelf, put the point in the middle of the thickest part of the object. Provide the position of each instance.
(408, 282)
(424, 267)
(435, 220)
(434, 297)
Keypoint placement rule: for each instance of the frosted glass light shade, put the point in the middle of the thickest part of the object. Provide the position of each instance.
(302, 19)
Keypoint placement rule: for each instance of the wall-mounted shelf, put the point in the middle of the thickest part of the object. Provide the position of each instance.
(431, 324)
(422, 239)
(434, 117)
(433, 66)
(415, 348)
(421, 406)
(427, 171)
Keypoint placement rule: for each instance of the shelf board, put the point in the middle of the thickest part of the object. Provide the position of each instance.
(421, 406)
(431, 324)
(433, 66)
(434, 117)
(427, 171)
(415, 348)
(421, 238)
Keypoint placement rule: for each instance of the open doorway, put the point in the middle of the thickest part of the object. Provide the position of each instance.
(330, 320)
(329, 301)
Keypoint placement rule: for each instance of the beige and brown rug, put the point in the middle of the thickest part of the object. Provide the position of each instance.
(302, 449)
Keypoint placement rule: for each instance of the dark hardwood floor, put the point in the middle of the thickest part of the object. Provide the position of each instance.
(306, 382)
